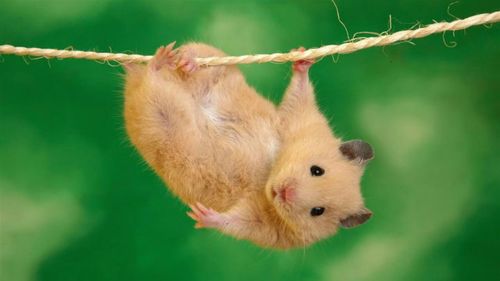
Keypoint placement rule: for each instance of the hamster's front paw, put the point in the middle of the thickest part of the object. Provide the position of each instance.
(206, 217)
(302, 65)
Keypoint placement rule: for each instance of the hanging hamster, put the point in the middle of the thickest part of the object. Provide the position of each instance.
(274, 175)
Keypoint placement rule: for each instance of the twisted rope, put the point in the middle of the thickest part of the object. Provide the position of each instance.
(275, 57)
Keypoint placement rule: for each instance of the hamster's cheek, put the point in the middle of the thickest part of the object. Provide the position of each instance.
(303, 199)
(310, 196)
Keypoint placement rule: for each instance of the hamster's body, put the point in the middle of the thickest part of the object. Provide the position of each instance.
(218, 131)
(215, 142)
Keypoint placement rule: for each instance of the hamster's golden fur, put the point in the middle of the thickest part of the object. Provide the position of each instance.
(217, 143)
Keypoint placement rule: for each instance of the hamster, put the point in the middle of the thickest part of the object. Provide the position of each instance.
(274, 175)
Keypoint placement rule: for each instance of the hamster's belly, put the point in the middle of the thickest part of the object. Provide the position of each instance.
(243, 146)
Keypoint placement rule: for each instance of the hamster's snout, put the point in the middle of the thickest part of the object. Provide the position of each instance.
(286, 194)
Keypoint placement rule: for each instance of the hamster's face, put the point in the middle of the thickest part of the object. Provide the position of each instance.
(315, 187)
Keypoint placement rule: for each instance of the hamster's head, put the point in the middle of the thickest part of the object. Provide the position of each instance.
(315, 186)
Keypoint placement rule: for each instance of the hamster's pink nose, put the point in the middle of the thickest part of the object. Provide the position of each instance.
(287, 194)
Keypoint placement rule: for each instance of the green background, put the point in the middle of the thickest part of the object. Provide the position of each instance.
(78, 203)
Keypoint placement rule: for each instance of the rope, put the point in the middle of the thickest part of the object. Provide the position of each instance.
(314, 53)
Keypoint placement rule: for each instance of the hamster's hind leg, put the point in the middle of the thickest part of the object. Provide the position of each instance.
(203, 78)
(186, 63)
(164, 56)
(160, 112)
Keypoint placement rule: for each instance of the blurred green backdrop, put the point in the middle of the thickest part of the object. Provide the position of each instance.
(78, 203)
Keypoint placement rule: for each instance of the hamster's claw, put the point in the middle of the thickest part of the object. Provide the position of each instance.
(205, 217)
(301, 65)
(174, 59)
(164, 56)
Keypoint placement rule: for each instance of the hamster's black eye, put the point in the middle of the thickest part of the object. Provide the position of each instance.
(317, 211)
(316, 171)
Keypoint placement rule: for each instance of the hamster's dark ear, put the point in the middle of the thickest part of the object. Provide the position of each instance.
(357, 149)
(356, 219)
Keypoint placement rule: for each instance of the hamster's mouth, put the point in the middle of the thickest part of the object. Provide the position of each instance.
(274, 193)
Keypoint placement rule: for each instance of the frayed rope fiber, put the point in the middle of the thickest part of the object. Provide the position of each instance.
(314, 53)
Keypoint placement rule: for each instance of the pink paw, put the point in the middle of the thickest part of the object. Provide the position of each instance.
(164, 56)
(206, 217)
(187, 63)
(302, 65)
(173, 59)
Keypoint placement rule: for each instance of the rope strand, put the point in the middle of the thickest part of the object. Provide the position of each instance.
(263, 58)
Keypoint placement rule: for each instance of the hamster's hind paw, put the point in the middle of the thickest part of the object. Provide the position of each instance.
(187, 62)
(206, 217)
(302, 65)
(174, 59)
(164, 56)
